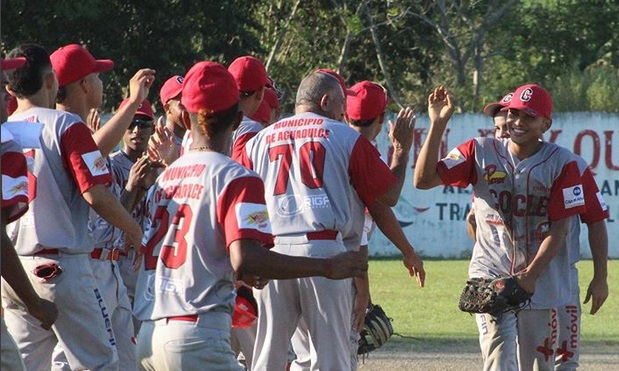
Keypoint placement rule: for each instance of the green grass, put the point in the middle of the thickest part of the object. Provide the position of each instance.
(432, 312)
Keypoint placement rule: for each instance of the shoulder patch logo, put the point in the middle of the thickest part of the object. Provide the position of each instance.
(253, 216)
(453, 158)
(95, 162)
(573, 196)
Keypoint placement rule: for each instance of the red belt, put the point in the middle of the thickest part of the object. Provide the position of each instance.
(189, 318)
(322, 235)
(105, 254)
(47, 252)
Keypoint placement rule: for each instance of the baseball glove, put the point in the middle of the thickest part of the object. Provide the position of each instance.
(493, 296)
(377, 330)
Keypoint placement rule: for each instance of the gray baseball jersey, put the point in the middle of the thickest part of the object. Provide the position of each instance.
(247, 129)
(515, 202)
(67, 164)
(314, 168)
(200, 204)
(14, 178)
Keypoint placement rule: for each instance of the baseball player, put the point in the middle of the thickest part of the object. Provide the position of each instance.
(501, 131)
(251, 78)
(314, 168)
(525, 190)
(567, 351)
(133, 173)
(15, 204)
(207, 221)
(365, 111)
(69, 176)
(80, 92)
(166, 144)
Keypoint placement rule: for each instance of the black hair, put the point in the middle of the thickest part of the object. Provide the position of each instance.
(362, 123)
(28, 80)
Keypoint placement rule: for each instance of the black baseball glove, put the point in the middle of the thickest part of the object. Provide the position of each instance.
(377, 330)
(493, 296)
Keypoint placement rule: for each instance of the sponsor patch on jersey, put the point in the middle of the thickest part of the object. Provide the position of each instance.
(573, 196)
(12, 187)
(602, 201)
(253, 216)
(95, 162)
(494, 176)
(453, 158)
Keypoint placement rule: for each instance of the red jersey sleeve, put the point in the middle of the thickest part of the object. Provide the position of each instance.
(370, 176)
(458, 167)
(597, 209)
(242, 211)
(567, 196)
(14, 185)
(83, 158)
(238, 147)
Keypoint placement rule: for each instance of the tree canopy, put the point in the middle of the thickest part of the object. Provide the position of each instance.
(479, 49)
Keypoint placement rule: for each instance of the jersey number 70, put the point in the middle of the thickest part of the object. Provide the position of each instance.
(311, 163)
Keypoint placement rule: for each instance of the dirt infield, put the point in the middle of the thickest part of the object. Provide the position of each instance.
(463, 355)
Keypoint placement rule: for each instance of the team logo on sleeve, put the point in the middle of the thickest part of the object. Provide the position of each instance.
(454, 158)
(12, 187)
(602, 202)
(95, 162)
(253, 216)
(573, 196)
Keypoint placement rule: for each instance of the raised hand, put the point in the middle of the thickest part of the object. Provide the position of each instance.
(140, 84)
(94, 120)
(440, 106)
(161, 146)
(402, 130)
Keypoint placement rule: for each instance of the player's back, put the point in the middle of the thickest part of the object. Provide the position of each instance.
(58, 215)
(187, 235)
(304, 161)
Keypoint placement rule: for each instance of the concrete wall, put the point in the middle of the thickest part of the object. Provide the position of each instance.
(433, 220)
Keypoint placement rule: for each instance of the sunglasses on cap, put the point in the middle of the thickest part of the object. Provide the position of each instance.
(142, 124)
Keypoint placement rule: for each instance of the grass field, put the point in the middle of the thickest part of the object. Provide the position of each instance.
(432, 312)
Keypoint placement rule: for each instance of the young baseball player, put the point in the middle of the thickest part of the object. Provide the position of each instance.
(525, 190)
(568, 315)
(166, 144)
(133, 173)
(69, 177)
(315, 168)
(501, 131)
(208, 221)
(170, 95)
(251, 78)
(80, 91)
(14, 205)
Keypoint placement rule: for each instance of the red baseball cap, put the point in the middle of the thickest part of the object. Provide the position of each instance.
(144, 109)
(368, 102)
(249, 73)
(73, 62)
(209, 86)
(270, 96)
(263, 113)
(12, 64)
(533, 99)
(339, 78)
(491, 109)
(172, 88)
